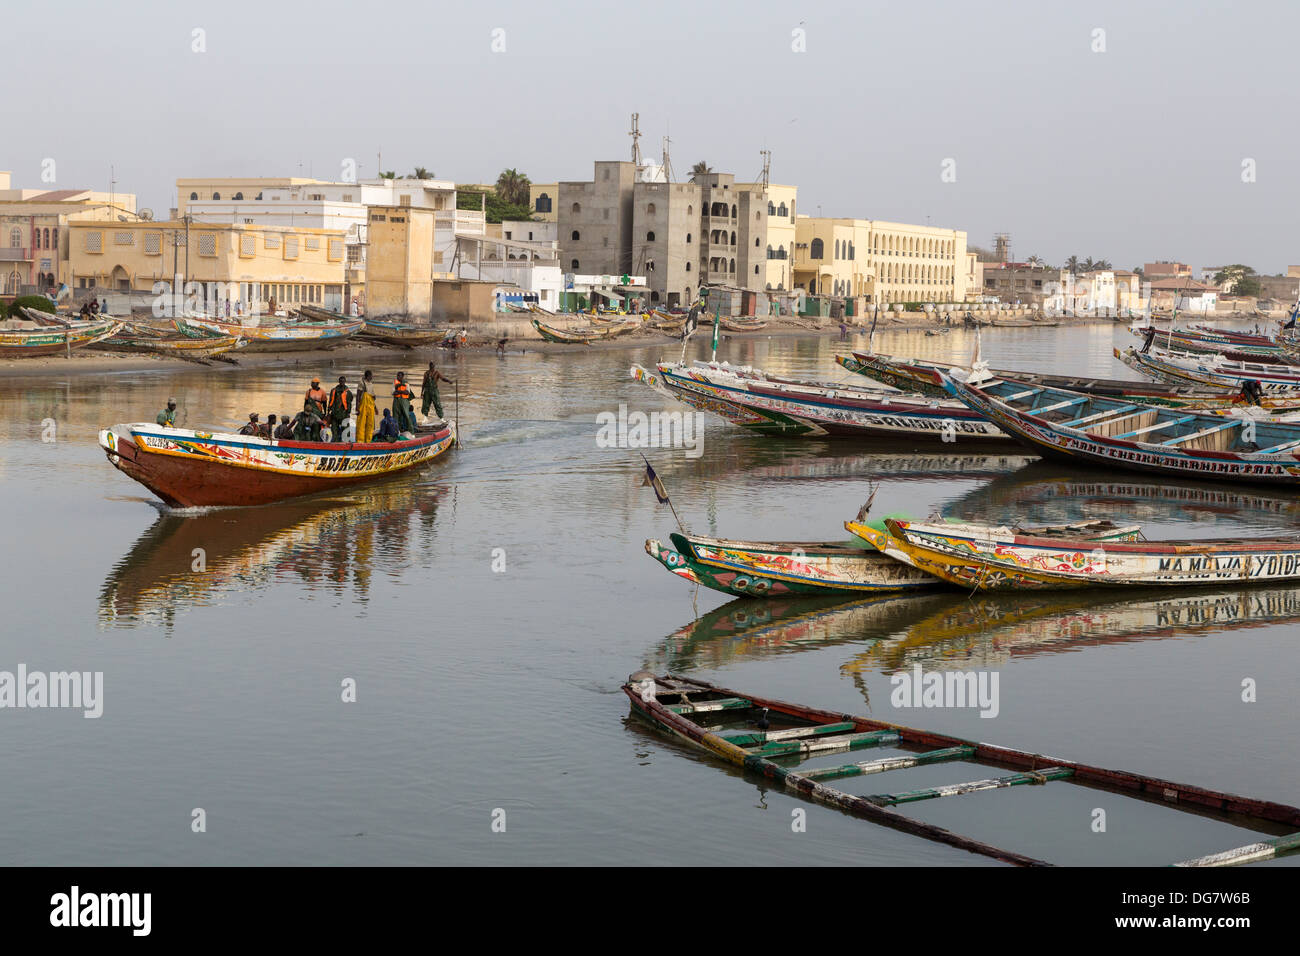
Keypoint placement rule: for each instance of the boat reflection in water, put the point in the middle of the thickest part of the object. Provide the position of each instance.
(948, 630)
(333, 542)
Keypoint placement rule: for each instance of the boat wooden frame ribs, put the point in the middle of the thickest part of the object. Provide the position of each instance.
(763, 735)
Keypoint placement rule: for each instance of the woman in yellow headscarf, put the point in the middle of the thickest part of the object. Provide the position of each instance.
(366, 407)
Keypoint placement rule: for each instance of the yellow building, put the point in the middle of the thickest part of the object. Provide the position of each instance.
(400, 264)
(543, 199)
(233, 189)
(781, 234)
(885, 261)
(249, 265)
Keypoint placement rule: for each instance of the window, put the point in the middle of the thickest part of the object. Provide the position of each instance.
(207, 243)
(688, 238)
(650, 209)
(291, 247)
(194, 196)
(543, 203)
(56, 238)
(94, 242)
(47, 238)
(313, 243)
(688, 267)
(354, 252)
(733, 211)
(771, 253)
(347, 197)
(649, 237)
(781, 210)
(771, 209)
(271, 242)
(15, 237)
(817, 250)
(314, 197)
(239, 196)
(216, 195)
(576, 208)
(153, 243)
(335, 251)
(124, 237)
(575, 235)
(247, 246)
(574, 265)
(755, 270)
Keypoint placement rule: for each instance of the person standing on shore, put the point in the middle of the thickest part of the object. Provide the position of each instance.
(429, 391)
(340, 408)
(366, 407)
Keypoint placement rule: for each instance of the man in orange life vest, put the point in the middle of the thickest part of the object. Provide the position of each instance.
(402, 410)
(313, 413)
(340, 408)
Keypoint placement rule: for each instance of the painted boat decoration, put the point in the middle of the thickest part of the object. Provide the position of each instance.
(1212, 371)
(926, 378)
(774, 406)
(374, 330)
(1118, 433)
(1203, 339)
(1002, 559)
(189, 469)
(782, 568)
(754, 732)
(580, 336)
(51, 340)
(277, 338)
(133, 339)
(738, 323)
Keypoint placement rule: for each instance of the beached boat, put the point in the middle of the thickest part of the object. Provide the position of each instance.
(1117, 433)
(775, 406)
(1235, 345)
(1212, 371)
(64, 321)
(926, 377)
(52, 340)
(754, 733)
(739, 323)
(187, 468)
(176, 346)
(299, 337)
(782, 568)
(581, 336)
(1002, 559)
(386, 333)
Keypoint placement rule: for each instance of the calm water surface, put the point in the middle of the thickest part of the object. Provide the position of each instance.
(480, 689)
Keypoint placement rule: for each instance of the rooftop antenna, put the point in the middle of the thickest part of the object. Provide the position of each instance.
(668, 166)
(767, 168)
(636, 137)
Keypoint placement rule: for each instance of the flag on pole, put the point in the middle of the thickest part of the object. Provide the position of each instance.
(652, 480)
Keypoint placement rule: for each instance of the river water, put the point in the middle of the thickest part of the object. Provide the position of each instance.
(488, 608)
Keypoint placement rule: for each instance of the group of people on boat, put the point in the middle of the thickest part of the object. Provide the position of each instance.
(327, 416)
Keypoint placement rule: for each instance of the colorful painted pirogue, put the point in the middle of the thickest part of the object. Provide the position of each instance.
(773, 406)
(737, 323)
(52, 340)
(926, 378)
(772, 568)
(1274, 379)
(276, 338)
(1002, 559)
(581, 336)
(755, 733)
(189, 469)
(1236, 345)
(1121, 434)
(132, 338)
(385, 333)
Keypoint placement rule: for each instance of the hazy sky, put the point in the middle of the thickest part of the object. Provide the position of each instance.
(1130, 154)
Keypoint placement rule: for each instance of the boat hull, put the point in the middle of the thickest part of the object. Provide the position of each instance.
(188, 469)
(53, 341)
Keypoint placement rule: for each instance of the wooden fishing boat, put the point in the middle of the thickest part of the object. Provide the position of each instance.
(665, 322)
(1117, 433)
(1212, 371)
(175, 346)
(279, 338)
(581, 336)
(1235, 345)
(50, 319)
(739, 323)
(402, 336)
(763, 735)
(927, 378)
(187, 468)
(781, 568)
(50, 340)
(773, 406)
(1000, 559)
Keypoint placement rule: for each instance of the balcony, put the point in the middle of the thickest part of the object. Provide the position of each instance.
(15, 254)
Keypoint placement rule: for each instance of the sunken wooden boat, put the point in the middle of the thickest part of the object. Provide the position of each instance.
(774, 406)
(53, 340)
(584, 335)
(301, 337)
(782, 568)
(189, 469)
(1117, 433)
(926, 377)
(740, 323)
(771, 739)
(1002, 559)
(1213, 371)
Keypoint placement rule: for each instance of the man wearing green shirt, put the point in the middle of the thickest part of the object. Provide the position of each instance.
(167, 416)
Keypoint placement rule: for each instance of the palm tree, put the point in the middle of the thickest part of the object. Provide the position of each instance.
(1088, 264)
(1102, 265)
(1072, 264)
(700, 169)
(388, 175)
(420, 173)
(512, 186)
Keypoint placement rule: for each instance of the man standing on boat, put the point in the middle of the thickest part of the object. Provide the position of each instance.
(402, 410)
(313, 413)
(167, 417)
(429, 391)
(366, 406)
(340, 408)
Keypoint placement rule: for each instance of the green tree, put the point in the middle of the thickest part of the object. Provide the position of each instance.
(1072, 264)
(512, 186)
(1238, 279)
(700, 169)
(421, 173)
(388, 175)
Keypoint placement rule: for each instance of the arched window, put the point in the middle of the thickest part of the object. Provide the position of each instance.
(733, 266)
(688, 267)
(771, 254)
(688, 238)
(650, 209)
(758, 215)
(574, 265)
(780, 252)
(56, 238)
(575, 236)
(576, 208)
(771, 208)
(194, 196)
(755, 270)
(816, 249)
(690, 210)
(837, 248)
(47, 238)
(852, 251)
(238, 196)
(543, 203)
(756, 242)
(15, 237)
(733, 211)
(733, 239)
(216, 195)
(650, 237)
(781, 210)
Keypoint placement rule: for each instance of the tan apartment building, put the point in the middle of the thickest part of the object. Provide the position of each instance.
(885, 261)
(543, 198)
(399, 273)
(34, 231)
(1020, 282)
(252, 264)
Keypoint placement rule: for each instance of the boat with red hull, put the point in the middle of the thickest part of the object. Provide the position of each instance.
(191, 469)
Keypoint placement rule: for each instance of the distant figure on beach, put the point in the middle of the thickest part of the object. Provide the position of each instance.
(251, 427)
(167, 417)
(103, 307)
(501, 346)
(844, 331)
(366, 407)
(429, 390)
